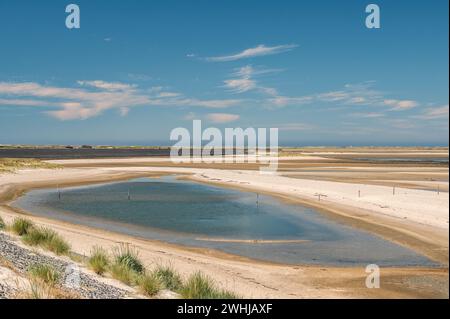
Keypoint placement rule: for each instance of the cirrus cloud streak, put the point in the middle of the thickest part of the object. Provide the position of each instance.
(260, 50)
(95, 97)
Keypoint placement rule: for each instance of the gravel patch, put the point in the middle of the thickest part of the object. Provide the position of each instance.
(72, 279)
(5, 291)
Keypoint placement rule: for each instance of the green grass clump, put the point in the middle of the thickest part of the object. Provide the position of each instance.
(124, 274)
(2, 223)
(36, 236)
(57, 245)
(168, 277)
(47, 239)
(99, 260)
(45, 273)
(149, 284)
(127, 266)
(20, 226)
(128, 258)
(200, 286)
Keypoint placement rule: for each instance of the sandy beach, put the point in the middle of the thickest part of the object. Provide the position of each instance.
(414, 218)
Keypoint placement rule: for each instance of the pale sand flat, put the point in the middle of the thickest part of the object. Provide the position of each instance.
(416, 218)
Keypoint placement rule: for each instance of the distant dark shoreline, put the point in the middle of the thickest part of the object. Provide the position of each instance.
(89, 152)
(66, 153)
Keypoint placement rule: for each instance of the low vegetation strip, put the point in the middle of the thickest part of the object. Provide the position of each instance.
(129, 269)
(39, 236)
(47, 239)
(99, 260)
(200, 286)
(124, 265)
(44, 272)
(10, 165)
(23, 260)
(21, 226)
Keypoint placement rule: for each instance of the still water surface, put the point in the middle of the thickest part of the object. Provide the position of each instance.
(198, 215)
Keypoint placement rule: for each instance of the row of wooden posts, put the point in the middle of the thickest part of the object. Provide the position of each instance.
(319, 196)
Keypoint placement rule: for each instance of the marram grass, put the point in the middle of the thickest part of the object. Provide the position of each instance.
(44, 272)
(149, 284)
(168, 277)
(99, 260)
(20, 226)
(200, 286)
(128, 257)
(47, 239)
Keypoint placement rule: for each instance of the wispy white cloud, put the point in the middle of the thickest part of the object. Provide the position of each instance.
(400, 105)
(168, 94)
(260, 50)
(95, 97)
(281, 101)
(244, 80)
(24, 102)
(76, 103)
(222, 117)
(352, 94)
(240, 85)
(110, 86)
(435, 113)
(367, 115)
(212, 117)
(215, 104)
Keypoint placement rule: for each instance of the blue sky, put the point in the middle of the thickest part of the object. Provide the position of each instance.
(137, 69)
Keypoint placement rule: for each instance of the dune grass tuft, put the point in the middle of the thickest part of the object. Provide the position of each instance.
(127, 267)
(128, 257)
(99, 260)
(149, 284)
(168, 277)
(2, 224)
(200, 286)
(47, 239)
(57, 245)
(20, 226)
(124, 274)
(38, 290)
(36, 236)
(46, 273)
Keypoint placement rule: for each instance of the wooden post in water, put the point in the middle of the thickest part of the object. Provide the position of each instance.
(59, 192)
(129, 196)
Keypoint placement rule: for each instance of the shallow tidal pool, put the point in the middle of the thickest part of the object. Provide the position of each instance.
(198, 215)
